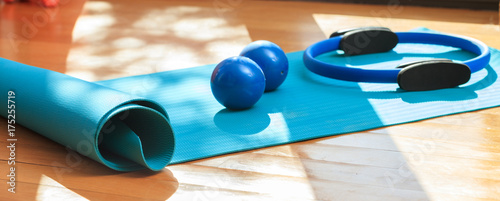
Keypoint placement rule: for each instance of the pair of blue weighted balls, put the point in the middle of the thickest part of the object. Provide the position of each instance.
(239, 82)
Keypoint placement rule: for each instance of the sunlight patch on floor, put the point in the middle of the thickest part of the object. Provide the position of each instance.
(49, 189)
(150, 40)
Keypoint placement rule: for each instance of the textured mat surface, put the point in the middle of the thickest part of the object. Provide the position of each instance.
(306, 106)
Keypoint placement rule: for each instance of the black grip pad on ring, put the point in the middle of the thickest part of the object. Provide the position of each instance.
(432, 74)
(344, 31)
(366, 40)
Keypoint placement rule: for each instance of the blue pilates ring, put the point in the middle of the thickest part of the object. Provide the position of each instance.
(438, 70)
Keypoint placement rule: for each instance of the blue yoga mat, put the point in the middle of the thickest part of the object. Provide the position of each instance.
(123, 123)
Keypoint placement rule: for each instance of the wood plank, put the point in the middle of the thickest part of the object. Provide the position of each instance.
(55, 192)
(89, 179)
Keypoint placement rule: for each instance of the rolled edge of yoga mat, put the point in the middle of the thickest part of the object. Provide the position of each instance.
(119, 130)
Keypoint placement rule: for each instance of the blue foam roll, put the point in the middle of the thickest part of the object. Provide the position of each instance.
(119, 130)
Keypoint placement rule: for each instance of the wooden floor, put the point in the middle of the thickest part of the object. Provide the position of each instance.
(448, 158)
